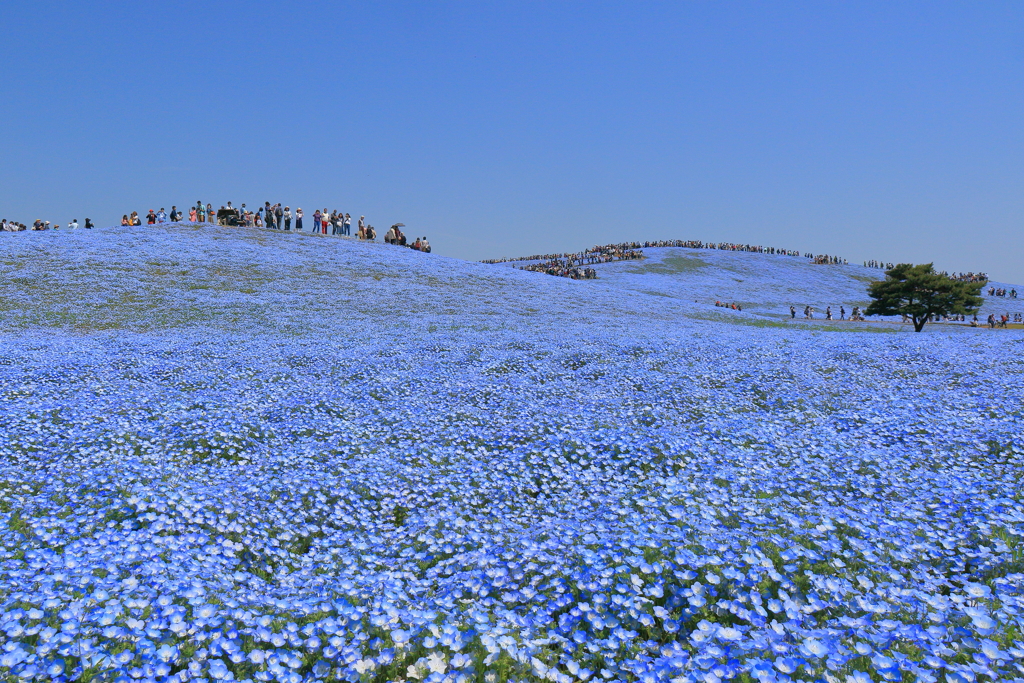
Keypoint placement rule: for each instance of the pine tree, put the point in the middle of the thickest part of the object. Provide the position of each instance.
(919, 292)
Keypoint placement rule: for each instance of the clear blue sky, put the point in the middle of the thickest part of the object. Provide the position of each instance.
(869, 130)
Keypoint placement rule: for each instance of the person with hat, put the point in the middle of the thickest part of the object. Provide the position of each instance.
(151, 217)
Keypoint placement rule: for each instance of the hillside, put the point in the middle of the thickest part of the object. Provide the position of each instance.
(181, 276)
(239, 454)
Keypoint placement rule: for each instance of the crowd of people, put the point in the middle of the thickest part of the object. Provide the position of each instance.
(878, 264)
(826, 260)
(967, 277)
(576, 266)
(273, 216)
(733, 306)
(1000, 291)
(561, 269)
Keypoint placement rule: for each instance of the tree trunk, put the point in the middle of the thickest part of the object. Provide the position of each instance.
(919, 324)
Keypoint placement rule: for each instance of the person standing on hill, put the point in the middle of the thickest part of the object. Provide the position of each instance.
(298, 219)
(287, 218)
(278, 214)
(316, 221)
(362, 227)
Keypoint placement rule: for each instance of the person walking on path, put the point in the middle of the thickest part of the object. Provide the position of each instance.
(298, 219)
(287, 218)
(348, 225)
(316, 221)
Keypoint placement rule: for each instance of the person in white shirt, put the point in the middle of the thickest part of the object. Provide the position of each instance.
(73, 224)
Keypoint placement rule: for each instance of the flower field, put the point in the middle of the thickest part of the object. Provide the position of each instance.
(235, 455)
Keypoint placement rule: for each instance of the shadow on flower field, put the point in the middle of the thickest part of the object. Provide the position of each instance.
(238, 456)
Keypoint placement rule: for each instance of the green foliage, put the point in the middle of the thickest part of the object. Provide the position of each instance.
(919, 292)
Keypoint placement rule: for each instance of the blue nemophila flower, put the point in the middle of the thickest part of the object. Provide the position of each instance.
(615, 486)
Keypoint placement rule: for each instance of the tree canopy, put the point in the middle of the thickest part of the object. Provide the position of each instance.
(919, 292)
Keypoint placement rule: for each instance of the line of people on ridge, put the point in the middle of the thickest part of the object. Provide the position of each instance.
(687, 244)
(12, 226)
(994, 291)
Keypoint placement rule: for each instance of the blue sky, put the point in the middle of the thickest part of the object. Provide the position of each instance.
(869, 130)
